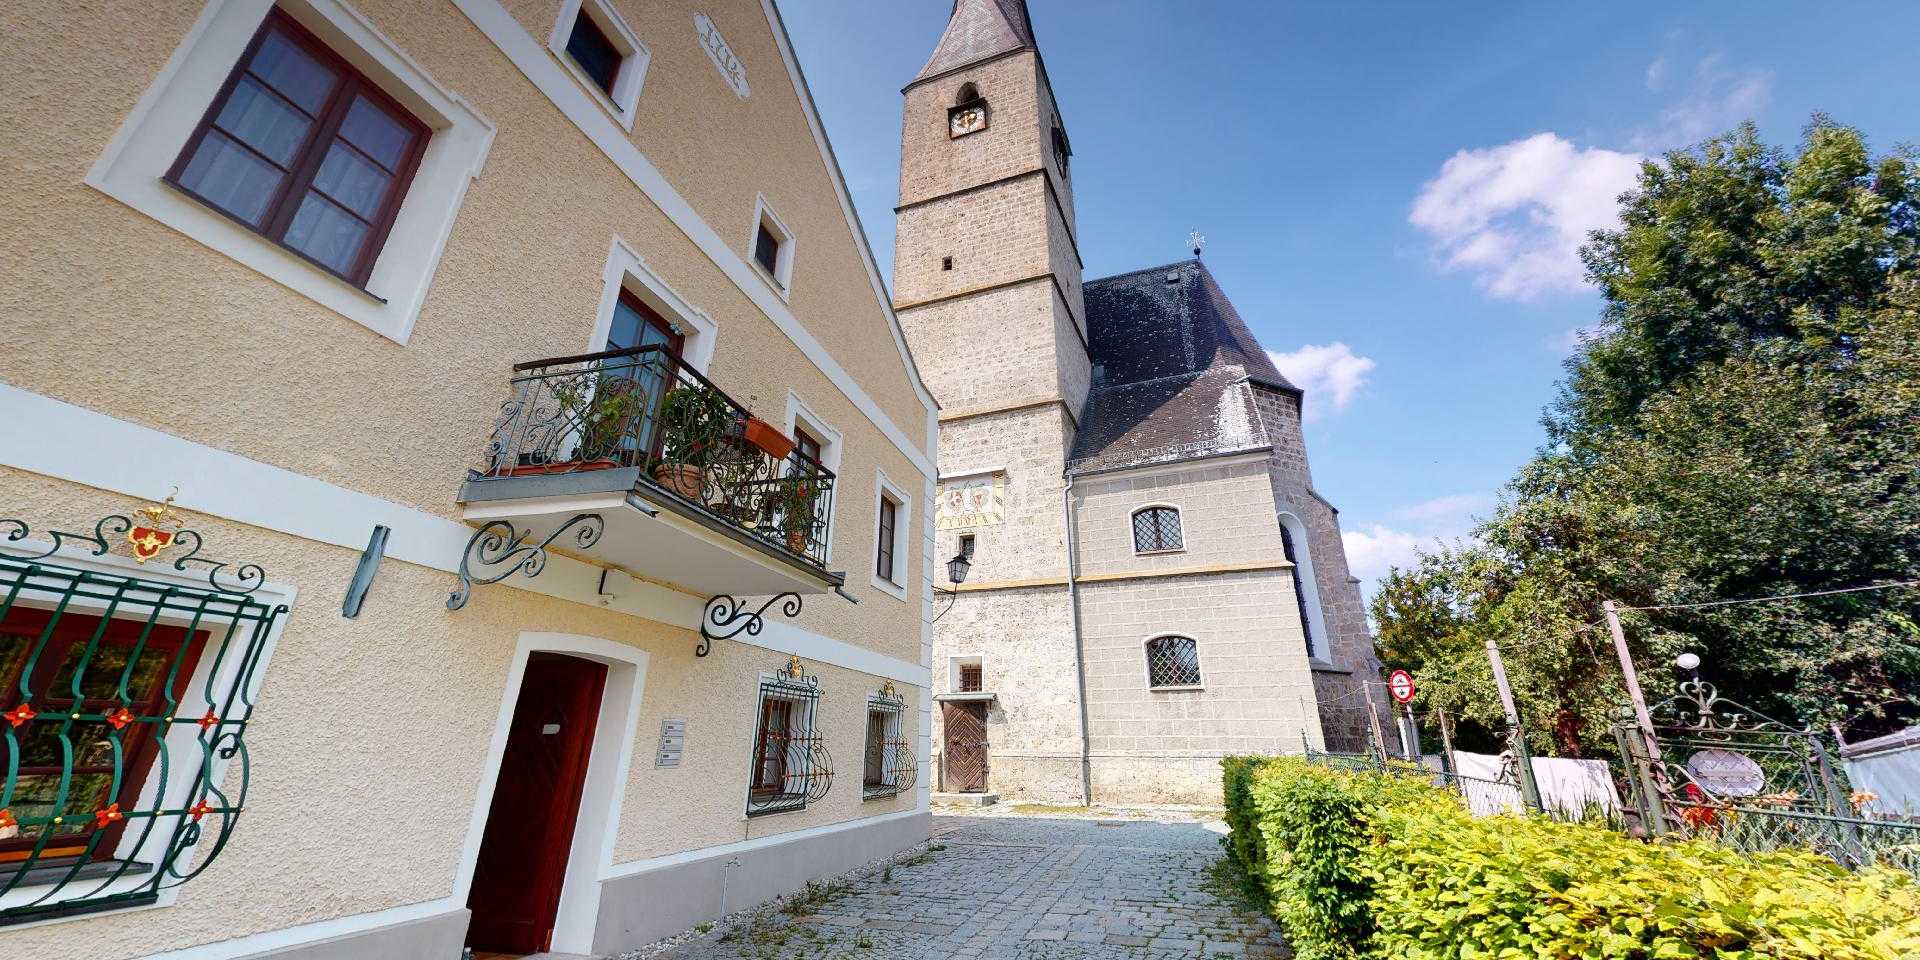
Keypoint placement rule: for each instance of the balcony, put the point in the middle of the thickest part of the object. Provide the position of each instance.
(631, 459)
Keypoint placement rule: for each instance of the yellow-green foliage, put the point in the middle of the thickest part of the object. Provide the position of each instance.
(1365, 865)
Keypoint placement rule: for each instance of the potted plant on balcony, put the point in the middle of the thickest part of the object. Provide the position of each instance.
(593, 419)
(767, 437)
(796, 505)
(694, 421)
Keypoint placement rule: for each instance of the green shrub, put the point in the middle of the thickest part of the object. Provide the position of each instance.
(1371, 865)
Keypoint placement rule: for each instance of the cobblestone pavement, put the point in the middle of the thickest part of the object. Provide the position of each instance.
(1016, 889)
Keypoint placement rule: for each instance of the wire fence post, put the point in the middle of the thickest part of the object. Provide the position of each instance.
(1516, 738)
(1446, 744)
(1373, 714)
(1639, 698)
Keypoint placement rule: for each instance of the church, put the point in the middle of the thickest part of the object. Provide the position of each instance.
(1154, 582)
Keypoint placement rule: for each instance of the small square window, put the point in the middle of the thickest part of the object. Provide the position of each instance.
(972, 678)
(770, 246)
(1157, 529)
(589, 47)
(946, 263)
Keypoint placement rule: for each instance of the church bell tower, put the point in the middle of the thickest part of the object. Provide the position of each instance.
(987, 282)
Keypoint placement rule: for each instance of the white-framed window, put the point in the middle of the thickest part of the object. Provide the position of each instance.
(384, 293)
(1173, 662)
(885, 750)
(1156, 529)
(1306, 591)
(813, 436)
(892, 523)
(628, 272)
(770, 246)
(594, 43)
(967, 674)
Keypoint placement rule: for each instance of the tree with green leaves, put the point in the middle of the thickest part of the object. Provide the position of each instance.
(1744, 423)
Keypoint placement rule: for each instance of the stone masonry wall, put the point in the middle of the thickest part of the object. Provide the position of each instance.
(1343, 690)
(1030, 445)
(1025, 643)
(1257, 693)
(996, 234)
(962, 347)
(933, 164)
(1216, 506)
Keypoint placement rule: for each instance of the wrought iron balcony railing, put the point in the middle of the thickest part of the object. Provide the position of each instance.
(646, 408)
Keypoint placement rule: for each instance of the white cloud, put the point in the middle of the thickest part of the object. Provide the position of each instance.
(1375, 549)
(1657, 74)
(1332, 374)
(1515, 215)
(1717, 98)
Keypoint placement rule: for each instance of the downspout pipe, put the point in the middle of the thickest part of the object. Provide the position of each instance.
(1079, 646)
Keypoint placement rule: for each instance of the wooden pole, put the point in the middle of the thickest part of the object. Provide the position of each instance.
(1632, 676)
(1516, 738)
(1446, 741)
(1373, 713)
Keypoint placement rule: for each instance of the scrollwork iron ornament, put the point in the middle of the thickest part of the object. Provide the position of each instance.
(726, 617)
(245, 579)
(499, 545)
(1703, 712)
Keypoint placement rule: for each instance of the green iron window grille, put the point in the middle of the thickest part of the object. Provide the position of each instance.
(124, 702)
(889, 766)
(791, 766)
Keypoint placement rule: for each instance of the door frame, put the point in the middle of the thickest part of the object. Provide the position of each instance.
(609, 765)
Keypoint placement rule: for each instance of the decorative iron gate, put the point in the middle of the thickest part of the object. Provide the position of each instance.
(964, 763)
(123, 700)
(1717, 769)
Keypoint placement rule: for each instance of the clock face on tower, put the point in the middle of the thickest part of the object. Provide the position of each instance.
(962, 120)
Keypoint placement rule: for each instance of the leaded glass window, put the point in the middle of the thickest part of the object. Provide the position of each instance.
(1156, 528)
(1173, 662)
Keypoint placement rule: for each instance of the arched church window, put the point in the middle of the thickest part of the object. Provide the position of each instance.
(1173, 661)
(1157, 528)
(968, 113)
(1300, 584)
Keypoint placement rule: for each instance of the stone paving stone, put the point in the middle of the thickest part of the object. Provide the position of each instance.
(1019, 889)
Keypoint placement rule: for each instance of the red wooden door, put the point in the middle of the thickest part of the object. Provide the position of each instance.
(523, 853)
(966, 747)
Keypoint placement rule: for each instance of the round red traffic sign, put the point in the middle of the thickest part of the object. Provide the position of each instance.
(1400, 684)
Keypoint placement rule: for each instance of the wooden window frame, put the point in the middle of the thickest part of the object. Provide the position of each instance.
(286, 199)
(886, 539)
(140, 742)
(976, 672)
(765, 759)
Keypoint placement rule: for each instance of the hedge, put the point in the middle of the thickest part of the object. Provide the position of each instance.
(1373, 865)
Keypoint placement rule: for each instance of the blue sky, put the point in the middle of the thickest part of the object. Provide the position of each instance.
(1392, 193)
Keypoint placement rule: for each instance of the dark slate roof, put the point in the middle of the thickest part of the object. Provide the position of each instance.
(977, 30)
(1172, 364)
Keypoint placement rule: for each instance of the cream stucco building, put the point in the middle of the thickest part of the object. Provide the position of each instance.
(534, 353)
(1155, 583)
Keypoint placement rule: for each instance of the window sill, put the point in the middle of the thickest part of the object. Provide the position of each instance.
(1318, 665)
(760, 270)
(889, 588)
(879, 793)
(1177, 689)
(45, 876)
(1160, 553)
(772, 804)
(50, 872)
(593, 91)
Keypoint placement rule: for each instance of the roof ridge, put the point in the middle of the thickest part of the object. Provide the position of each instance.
(1135, 273)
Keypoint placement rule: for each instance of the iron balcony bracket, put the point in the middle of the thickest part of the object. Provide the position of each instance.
(498, 545)
(726, 618)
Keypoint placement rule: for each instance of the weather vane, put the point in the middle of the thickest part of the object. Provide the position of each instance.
(1197, 241)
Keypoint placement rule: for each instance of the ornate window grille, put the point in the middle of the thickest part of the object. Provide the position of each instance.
(791, 766)
(1156, 528)
(890, 765)
(124, 702)
(1173, 662)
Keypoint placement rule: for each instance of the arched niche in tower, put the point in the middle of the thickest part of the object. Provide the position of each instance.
(969, 113)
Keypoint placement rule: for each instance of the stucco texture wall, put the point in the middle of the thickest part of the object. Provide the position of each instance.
(117, 312)
(370, 737)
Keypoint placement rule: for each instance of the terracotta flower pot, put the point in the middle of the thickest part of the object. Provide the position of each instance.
(684, 479)
(543, 469)
(797, 541)
(771, 441)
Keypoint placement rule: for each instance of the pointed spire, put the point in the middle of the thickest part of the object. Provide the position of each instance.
(977, 30)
